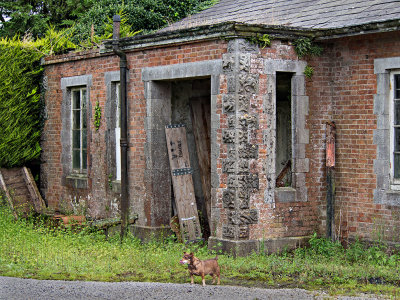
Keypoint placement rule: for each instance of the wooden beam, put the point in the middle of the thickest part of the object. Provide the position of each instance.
(8, 196)
(38, 202)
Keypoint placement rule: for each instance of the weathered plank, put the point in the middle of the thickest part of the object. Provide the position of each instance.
(182, 182)
(7, 195)
(201, 121)
(36, 198)
(18, 191)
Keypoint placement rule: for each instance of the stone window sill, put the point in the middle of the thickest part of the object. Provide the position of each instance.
(285, 194)
(78, 181)
(116, 186)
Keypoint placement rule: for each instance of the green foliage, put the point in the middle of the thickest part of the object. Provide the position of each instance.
(141, 15)
(89, 16)
(260, 40)
(35, 248)
(97, 115)
(308, 71)
(34, 16)
(55, 41)
(304, 46)
(20, 103)
(95, 40)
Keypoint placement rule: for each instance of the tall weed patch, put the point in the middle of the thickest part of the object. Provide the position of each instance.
(30, 248)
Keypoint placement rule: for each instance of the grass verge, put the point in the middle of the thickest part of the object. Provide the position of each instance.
(30, 249)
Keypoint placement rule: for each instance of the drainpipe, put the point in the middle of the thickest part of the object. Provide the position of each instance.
(123, 141)
(330, 180)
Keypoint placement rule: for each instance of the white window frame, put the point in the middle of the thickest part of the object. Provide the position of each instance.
(395, 182)
(118, 131)
(83, 138)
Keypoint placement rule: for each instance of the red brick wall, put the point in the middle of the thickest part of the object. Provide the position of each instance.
(342, 90)
(98, 197)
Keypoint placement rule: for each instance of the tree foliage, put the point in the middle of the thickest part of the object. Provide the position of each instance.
(20, 103)
(34, 16)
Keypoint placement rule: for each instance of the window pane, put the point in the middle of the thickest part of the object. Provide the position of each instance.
(84, 139)
(76, 96)
(84, 122)
(76, 139)
(76, 159)
(118, 102)
(396, 113)
(396, 139)
(76, 124)
(397, 86)
(396, 166)
(83, 97)
(84, 159)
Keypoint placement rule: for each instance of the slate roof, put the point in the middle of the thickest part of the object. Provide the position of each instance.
(307, 14)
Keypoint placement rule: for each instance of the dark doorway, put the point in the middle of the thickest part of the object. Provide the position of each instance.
(191, 105)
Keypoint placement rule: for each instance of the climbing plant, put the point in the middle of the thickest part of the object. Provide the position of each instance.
(97, 115)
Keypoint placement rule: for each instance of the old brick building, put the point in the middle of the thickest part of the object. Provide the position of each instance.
(261, 113)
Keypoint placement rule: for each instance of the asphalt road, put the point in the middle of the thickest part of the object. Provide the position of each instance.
(17, 288)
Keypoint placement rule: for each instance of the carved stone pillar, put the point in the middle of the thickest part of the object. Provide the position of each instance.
(242, 87)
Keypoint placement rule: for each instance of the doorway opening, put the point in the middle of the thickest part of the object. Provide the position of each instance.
(191, 106)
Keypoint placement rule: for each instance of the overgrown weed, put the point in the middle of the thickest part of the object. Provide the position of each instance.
(31, 248)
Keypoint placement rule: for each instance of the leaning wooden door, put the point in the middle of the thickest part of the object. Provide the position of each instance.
(182, 182)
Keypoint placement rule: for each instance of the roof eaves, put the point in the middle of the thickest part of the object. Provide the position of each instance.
(225, 30)
(373, 27)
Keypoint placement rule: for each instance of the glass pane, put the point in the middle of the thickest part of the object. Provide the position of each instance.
(76, 139)
(396, 109)
(84, 139)
(396, 139)
(397, 86)
(84, 122)
(84, 159)
(76, 159)
(76, 96)
(76, 124)
(396, 166)
(83, 97)
(118, 112)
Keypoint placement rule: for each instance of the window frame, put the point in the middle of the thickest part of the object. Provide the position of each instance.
(395, 182)
(73, 178)
(300, 165)
(117, 129)
(83, 120)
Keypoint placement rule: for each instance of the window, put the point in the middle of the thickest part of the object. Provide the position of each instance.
(117, 132)
(395, 126)
(283, 138)
(287, 107)
(79, 130)
(386, 134)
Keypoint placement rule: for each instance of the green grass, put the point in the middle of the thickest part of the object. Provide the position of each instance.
(32, 250)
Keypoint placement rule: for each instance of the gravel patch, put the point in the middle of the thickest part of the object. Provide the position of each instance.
(17, 288)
